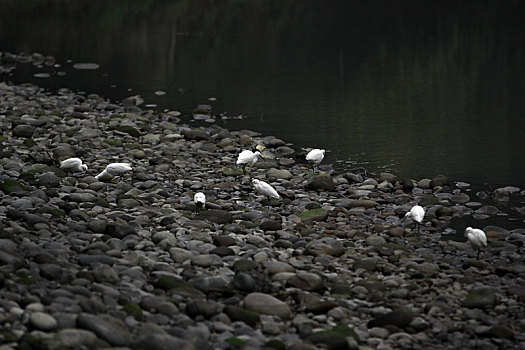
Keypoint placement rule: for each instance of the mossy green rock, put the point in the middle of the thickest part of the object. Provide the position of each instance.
(134, 310)
(235, 343)
(178, 286)
(237, 313)
(481, 298)
(400, 318)
(168, 282)
(317, 214)
(244, 265)
(232, 172)
(335, 338)
(368, 264)
(275, 344)
(128, 129)
(9, 186)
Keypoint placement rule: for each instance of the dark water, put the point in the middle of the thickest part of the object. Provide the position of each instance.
(418, 88)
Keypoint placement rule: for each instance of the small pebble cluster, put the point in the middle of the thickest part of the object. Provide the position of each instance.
(129, 263)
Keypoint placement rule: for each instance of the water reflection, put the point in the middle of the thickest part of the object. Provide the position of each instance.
(415, 87)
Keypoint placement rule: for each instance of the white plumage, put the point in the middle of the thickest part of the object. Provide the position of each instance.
(200, 200)
(114, 169)
(416, 213)
(315, 156)
(73, 164)
(476, 237)
(247, 157)
(265, 189)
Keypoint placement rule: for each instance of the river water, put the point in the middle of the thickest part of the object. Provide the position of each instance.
(418, 88)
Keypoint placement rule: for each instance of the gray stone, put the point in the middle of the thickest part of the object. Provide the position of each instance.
(278, 266)
(375, 240)
(306, 281)
(271, 225)
(43, 321)
(159, 341)
(180, 255)
(321, 182)
(105, 274)
(267, 304)
(206, 260)
(279, 174)
(81, 197)
(23, 130)
(111, 329)
(70, 338)
(325, 246)
(48, 180)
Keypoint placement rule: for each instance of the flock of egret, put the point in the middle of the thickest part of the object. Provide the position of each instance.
(476, 237)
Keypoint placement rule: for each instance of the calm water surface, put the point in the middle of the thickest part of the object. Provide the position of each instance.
(418, 88)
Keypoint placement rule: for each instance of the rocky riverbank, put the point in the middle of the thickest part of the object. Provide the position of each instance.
(129, 264)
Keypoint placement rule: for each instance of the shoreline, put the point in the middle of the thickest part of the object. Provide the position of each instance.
(130, 264)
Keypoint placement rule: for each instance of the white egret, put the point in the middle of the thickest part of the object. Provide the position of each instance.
(114, 169)
(73, 164)
(247, 157)
(315, 156)
(416, 213)
(200, 201)
(477, 238)
(265, 189)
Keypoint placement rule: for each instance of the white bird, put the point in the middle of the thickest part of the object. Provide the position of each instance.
(477, 238)
(73, 164)
(200, 201)
(416, 213)
(114, 169)
(265, 189)
(315, 157)
(247, 157)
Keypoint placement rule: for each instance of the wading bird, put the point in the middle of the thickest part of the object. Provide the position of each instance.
(247, 157)
(114, 169)
(315, 156)
(417, 213)
(73, 165)
(477, 238)
(200, 201)
(265, 189)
